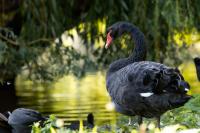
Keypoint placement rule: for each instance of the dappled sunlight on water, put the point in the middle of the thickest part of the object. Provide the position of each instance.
(69, 98)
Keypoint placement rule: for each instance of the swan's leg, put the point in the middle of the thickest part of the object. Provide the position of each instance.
(129, 121)
(140, 120)
(158, 121)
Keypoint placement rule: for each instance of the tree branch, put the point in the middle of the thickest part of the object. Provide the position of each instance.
(29, 43)
(40, 40)
(8, 40)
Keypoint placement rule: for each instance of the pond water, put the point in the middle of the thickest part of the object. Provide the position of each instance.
(72, 99)
(69, 98)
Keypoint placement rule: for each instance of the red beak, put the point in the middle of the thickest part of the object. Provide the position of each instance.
(109, 40)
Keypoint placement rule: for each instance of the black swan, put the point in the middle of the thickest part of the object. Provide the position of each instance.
(197, 65)
(142, 88)
(20, 120)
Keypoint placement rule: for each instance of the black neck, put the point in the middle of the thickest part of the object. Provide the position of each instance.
(139, 52)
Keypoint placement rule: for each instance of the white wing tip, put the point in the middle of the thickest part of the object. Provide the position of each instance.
(147, 94)
(8, 83)
(186, 89)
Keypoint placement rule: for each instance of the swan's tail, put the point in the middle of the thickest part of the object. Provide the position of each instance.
(169, 80)
(179, 101)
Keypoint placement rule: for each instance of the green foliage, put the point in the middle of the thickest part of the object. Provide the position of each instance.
(45, 21)
(194, 104)
(181, 55)
(157, 19)
(53, 64)
(9, 63)
(49, 126)
(187, 115)
(38, 62)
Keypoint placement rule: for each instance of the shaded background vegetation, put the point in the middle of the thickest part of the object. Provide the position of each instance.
(32, 34)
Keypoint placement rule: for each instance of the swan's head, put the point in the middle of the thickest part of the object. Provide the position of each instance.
(116, 30)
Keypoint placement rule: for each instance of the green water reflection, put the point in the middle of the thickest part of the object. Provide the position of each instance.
(72, 99)
(69, 98)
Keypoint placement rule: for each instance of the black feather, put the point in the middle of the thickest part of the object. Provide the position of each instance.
(197, 65)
